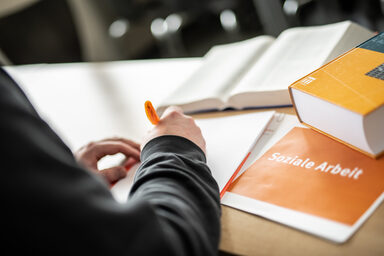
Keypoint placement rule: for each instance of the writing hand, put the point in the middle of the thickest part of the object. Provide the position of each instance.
(174, 122)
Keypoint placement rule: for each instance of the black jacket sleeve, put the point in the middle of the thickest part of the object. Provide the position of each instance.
(51, 205)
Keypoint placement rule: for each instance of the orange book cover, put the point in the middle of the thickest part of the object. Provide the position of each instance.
(310, 173)
(346, 92)
(353, 81)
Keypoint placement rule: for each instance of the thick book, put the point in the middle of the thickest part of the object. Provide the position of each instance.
(257, 72)
(344, 99)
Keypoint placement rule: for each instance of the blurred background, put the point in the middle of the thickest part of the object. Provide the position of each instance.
(57, 31)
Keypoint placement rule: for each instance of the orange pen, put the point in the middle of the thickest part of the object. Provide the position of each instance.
(151, 113)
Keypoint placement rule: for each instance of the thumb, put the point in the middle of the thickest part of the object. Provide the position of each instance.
(113, 174)
(172, 109)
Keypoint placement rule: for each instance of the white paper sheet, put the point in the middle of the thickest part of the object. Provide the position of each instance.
(228, 141)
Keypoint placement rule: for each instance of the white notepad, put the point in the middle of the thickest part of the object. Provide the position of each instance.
(228, 140)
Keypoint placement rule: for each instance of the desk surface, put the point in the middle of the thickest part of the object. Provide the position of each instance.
(73, 97)
(247, 234)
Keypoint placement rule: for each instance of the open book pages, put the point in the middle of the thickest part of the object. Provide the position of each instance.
(257, 72)
(220, 71)
(228, 141)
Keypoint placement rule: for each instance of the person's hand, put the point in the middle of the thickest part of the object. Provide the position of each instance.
(174, 122)
(90, 154)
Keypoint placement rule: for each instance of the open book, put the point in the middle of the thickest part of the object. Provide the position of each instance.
(257, 72)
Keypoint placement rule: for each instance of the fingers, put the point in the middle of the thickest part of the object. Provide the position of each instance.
(104, 148)
(126, 141)
(113, 174)
(171, 109)
(129, 162)
(90, 154)
(174, 122)
(113, 146)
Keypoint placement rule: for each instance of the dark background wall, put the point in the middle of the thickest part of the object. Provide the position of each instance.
(55, 31)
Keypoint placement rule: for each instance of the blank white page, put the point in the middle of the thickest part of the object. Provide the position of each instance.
(229, 139)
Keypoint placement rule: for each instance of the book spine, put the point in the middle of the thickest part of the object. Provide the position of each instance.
(294, 104)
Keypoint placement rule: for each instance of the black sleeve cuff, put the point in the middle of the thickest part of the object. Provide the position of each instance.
(173, 144)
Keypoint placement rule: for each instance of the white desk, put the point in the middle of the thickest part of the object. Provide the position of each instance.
(86, 102)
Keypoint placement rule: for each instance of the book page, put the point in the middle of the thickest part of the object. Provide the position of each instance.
(352, 37)
(295, 53)
(221, 67)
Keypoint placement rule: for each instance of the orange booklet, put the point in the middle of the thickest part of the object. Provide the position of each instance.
(313, 183)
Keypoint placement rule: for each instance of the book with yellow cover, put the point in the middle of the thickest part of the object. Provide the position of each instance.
(344, 99)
